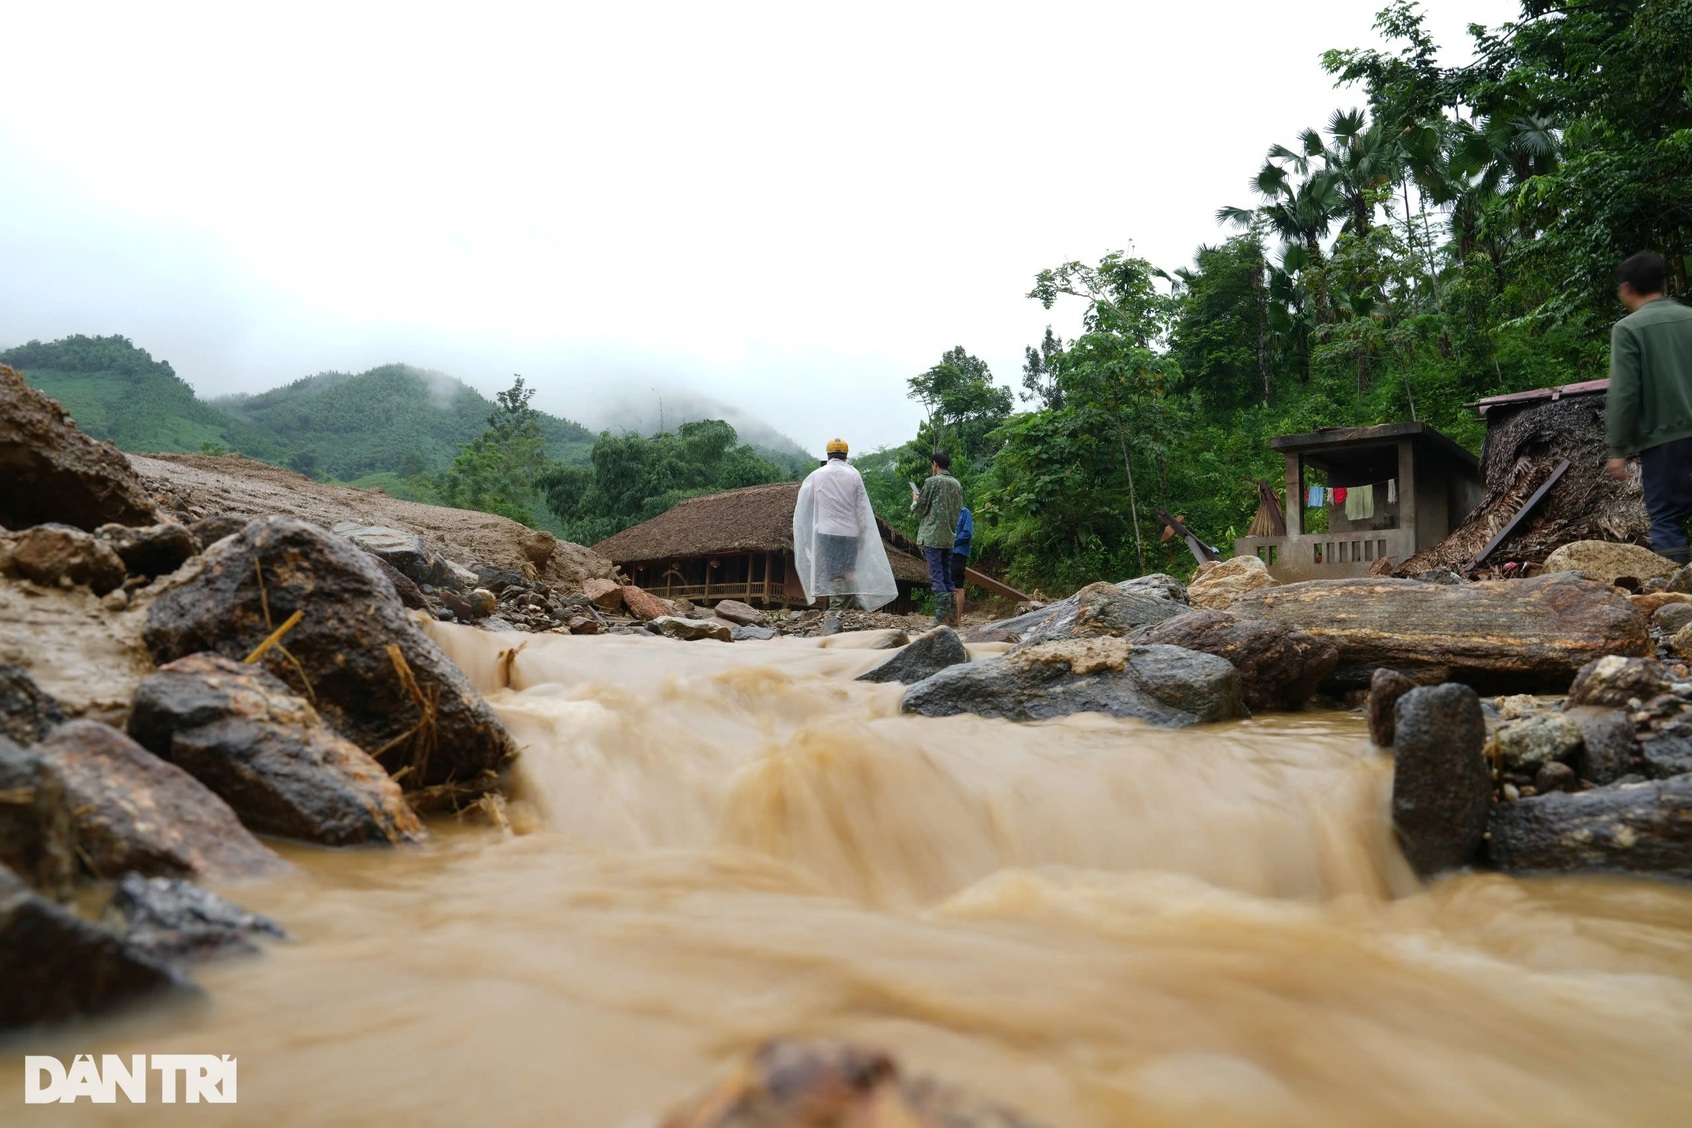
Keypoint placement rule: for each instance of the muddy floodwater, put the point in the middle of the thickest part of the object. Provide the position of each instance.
(1094, 921)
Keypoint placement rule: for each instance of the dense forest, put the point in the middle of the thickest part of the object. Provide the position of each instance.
(1454, 237)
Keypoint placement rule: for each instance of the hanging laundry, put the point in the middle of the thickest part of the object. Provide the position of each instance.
(1392, 491)
(1339, 493)
(1316, 498)
(1360, 503)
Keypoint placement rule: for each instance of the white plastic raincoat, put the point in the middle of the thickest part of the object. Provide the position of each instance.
(836, 544)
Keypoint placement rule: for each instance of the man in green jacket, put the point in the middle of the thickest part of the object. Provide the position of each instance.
(938, 504)
(1649, 407)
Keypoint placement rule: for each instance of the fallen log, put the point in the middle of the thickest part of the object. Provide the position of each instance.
(1623, 828)
(1513, 636)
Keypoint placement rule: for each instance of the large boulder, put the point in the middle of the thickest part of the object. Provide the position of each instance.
(1279, 667)
(1217, 583)
(57, 966)
(1165, 685)
(355, 653)
(1623, 828)
(1605, 562)
(1503, 636)
(37, 831)
(643, 605)
(607, 595)
(266, 753)
(175, 921)
(133, 811)
(50, 471)
(151, 550)
(923, 658)
(738, 613)
(1102, 609)
(1441, 785)
(407, 553)
(26, 713)
(51, 554)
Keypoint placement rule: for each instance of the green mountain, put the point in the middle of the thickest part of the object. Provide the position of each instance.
(384, 423)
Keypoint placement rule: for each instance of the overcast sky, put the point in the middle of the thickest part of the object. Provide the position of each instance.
(789, 207)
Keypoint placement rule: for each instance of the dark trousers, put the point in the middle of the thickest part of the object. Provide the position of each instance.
(939, 569)
(1666, 473)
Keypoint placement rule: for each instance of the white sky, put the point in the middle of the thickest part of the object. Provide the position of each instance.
(791, 208)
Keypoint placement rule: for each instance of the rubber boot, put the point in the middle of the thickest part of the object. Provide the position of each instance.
(831, 620)
(943, 608)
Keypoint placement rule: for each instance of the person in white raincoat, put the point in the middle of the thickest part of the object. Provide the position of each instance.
(836, 544)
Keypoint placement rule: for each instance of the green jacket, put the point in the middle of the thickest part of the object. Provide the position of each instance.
(1650, 398)
(938, 504)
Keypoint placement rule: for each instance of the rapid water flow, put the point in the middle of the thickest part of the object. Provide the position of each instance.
(1094, 921)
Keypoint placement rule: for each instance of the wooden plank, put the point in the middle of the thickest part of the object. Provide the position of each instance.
(1527, 507)
(982, 580)
(1201, 551)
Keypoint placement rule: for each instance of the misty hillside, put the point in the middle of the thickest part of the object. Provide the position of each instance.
(652, 414)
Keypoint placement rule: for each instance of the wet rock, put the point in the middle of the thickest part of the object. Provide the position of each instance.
(1606, 751)
(1605, 562)
(407, 553)
(1528, 744)
(37, 833)
(482, 602)
(26, 713)
(57, 966)
(456, 604)
(151, 550)
(1162, 684)
(690, 630)
(1385, 688)
(133, 811)
(825, 1084)
(924, 658)
(1444, 577)
(1441, 786)
(1665, 746)
(643, 605)
(1217, 583)
(1279, 667)
(741, 614)
(266, 753)
(1614, 681)
(893, 640)
(209, 530)
(361, 661)
(50, 554)
(499, 580)
(50, 471)
(607, 595)
(1502, 636)
(1623, 828)
(1670, 618)
(1649, 605)
(1554, 776)
(753, 634)
(497, 625)
(1112, 609)
(582, 625)
(408, 593)
(176, 921)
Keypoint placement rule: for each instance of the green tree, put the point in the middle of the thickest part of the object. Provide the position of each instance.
(501, 470)
(962, 401)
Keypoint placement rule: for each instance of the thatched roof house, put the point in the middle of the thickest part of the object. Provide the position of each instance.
(733, 545)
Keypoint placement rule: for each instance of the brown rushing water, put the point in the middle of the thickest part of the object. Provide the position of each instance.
(1097, 922)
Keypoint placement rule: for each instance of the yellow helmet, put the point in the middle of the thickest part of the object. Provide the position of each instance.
(836, 446)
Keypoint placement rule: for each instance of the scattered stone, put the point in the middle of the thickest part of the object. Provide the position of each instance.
(1385, 688)
(893, 640)
(1649, 605)
(583, 625)
(1506, 635)
(26, 713)
(497, 625)
(1681, 580)
(923, 658)
(408, 592)
(643, 605)
(813, 1084)
(1528, 744)
(133, 811)
(456, 604)
(753, 634)
(499, 580)
(57, 966)
(1554, 776)
(176, 921)
(690, 630)
(115, 600)
(1622, 828)
(406, 553)
(1444, 577)
(266, 753)
(51, 554)
(741, 614)
(482, 603)
(1606, 751)
(356, 654)
(209, 530)
(607, 595)
(1671, 618)
(1217, 583)
(1165, 685)
(1665, 747)
(1279, 667)
(1605, 562)
(1614, 681)
(37, 833)
(151, 550)
(53, 472)
(1441, 786)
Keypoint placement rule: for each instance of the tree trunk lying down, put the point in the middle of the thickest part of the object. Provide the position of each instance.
(1624, 828)
(1505, 636)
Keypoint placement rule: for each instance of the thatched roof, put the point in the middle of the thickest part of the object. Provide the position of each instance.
(753, 519)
